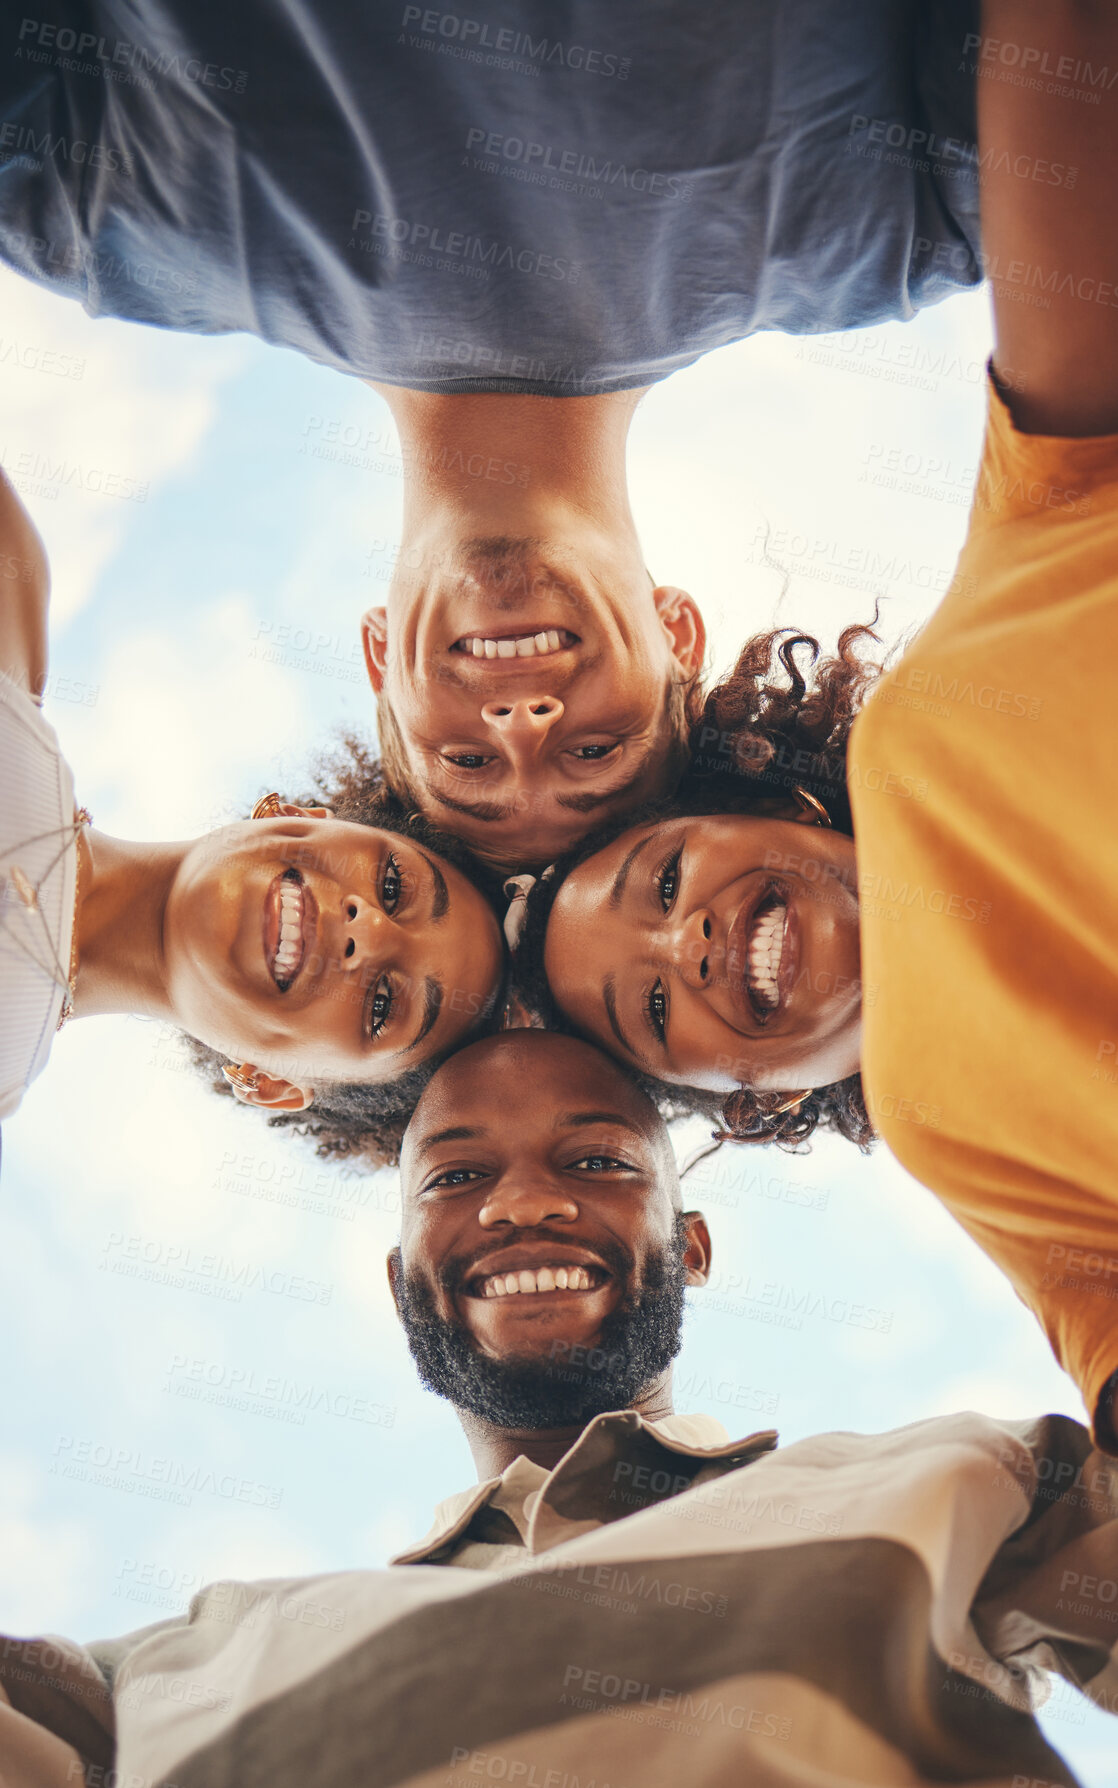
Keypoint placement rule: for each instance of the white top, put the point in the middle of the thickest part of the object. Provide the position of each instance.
(38, 877)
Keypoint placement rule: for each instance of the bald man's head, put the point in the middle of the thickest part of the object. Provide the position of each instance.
(541, 1228)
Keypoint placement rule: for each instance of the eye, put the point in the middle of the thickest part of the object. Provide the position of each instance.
(657, 1008)
(667, 880)
(592, 754)
(391, 884)
(601, 1164)
(466, 760)
(455, 1176)
(380, 1006)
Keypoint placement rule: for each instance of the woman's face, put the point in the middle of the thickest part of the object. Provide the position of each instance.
(317, 949)
(715, 952)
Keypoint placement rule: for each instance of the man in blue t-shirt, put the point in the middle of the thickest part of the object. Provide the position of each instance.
(511, 220)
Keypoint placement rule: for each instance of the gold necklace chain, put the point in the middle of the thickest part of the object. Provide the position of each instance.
(82, 817)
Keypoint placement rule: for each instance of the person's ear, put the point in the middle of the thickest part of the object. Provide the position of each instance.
(374, 639)
(684, 625)
(253, 1087)
(395, 1265)
(696, 1254)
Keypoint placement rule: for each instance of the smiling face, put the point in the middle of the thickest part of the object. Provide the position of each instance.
(314, 948)
(528, 684)
(527, 1236)
(715, 952)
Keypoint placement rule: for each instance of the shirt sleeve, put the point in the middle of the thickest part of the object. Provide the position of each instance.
(984, 786)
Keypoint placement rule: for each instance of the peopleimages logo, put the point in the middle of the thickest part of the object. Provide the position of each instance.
(475, 35)
(108, 54)
(432, 245)
(553, 159)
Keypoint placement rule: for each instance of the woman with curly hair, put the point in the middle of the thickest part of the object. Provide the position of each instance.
(320, 955)
(712, 942)
(361, 1118)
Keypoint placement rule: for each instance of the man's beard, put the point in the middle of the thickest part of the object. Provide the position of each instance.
(637, 1342)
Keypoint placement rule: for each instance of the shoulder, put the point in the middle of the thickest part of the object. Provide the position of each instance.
(24, 594)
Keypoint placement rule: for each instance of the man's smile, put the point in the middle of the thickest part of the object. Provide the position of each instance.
(541, 642)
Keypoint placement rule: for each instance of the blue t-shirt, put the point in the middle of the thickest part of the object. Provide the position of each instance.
(556, 196)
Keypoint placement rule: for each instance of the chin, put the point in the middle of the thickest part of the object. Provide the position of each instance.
(530, 1344)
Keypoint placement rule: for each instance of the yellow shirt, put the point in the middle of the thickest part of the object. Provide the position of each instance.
(984, 783)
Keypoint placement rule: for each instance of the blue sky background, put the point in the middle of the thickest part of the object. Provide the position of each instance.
(187, 1296)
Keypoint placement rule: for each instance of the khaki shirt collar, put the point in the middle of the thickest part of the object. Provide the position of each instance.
(619, 1463)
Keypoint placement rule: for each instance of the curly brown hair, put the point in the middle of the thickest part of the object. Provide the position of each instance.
(351, 1119)
(772, 726)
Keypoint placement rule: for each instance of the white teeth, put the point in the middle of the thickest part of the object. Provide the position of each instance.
(526, 1282)
(289, 943)
(764, 953)
(523, 645)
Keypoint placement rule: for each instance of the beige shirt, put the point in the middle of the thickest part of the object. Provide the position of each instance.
(492, 1527)
(854, 1608)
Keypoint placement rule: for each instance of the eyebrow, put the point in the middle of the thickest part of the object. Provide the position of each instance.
(456, 1133)
(588, 803)
(622, 875)
(495, 812)
(574, 1120)
(432, 1004)
(609, 995)
(441, 900)
(485, 810)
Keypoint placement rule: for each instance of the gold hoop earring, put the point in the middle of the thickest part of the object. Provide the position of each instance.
(791, 1104)
(240, 1078)
(808, 804)
(268, 807)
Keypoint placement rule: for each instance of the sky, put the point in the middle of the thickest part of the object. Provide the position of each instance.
(205, 1374)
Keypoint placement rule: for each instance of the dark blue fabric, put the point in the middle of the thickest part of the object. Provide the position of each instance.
(560, 196)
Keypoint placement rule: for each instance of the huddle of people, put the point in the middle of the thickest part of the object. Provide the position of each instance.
(581, 888)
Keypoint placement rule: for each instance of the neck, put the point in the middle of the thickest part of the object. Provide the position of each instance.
(494, 1448)
(123, 897)
(495, 466)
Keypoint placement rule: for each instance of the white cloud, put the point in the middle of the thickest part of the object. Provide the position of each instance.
(83, 450)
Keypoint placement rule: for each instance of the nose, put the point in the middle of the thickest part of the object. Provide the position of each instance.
(525, 722)
(524, 1199)
(687, 946)
(363, 932)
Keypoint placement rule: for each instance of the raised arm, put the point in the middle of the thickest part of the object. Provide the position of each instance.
(24, 593)
(1047, 74)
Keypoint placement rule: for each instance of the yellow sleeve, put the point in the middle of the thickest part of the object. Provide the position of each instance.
(984, 785)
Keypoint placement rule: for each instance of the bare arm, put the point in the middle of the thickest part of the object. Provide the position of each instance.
(24, 591)
(32, 1757)
(1051, 236)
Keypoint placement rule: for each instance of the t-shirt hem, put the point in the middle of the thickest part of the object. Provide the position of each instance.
(523, 387)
